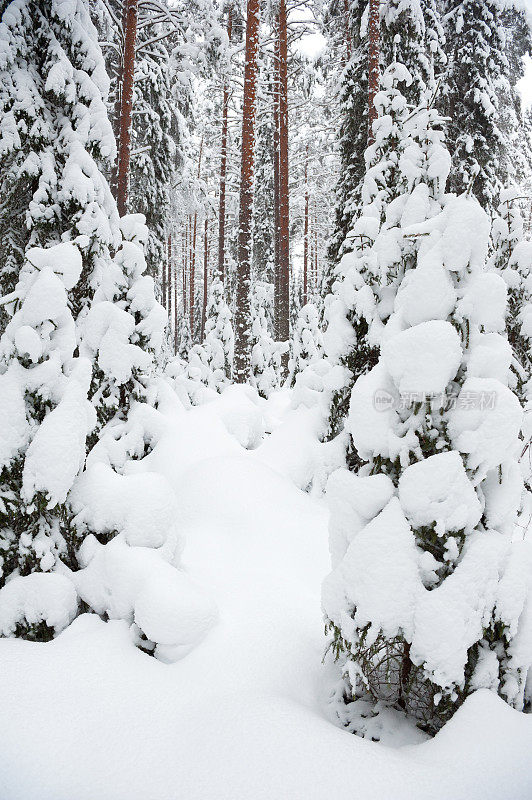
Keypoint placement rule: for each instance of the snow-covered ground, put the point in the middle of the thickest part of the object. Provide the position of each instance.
(242, 716)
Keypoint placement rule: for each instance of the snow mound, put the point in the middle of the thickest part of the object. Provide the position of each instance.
(137, 585)
(140, 506)
(438, 490)
(40, 597)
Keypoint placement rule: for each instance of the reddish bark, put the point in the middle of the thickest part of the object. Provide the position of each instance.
(305, 234)
(205, 275)
(223, 163)
(192, 297)
(126, 105)
(373, 63)
(284, 211)
(243, 304)
(276, 269)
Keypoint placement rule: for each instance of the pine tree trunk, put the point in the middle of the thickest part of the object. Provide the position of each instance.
(176, 332)
(163, 281)
(347, 31)
(276, 269)
(205, 275)
(284, 212)
(223, 163)
(373, 63)
(315, 256)
(305, 234)
(117, 105)
(192, 297)
(243, 309)
(126, 105)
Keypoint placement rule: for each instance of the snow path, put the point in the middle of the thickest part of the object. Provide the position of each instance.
(88, 716)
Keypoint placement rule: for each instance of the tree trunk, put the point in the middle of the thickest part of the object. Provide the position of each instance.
(276, 269)
(305, 234)
(347, 31)
(176, 331)
(205, 275)
(223, 163)
(163, 282)
(192, 297)
(117, 105)
(243, 309)
(315, 256)
(373, 63)
(284, 213)
(126, 105)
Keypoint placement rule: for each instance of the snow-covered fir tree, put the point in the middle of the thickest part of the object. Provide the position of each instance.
(307, 341)
(427, 522)
(486, 129)
(123, 331)
(45, 419)
(55, 139)
(363, 275)
(212, 361)
(265, 352)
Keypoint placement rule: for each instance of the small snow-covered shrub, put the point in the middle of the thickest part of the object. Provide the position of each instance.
(265, 353)
(307, 341)
(37, 606)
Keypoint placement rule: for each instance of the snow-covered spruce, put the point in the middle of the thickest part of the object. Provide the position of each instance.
(512, 258)
(123, 331)
(56, 142)
(45, 417)
(407, 151)
(265, 352)
(307, 341)
(429, 597)
(486, 40)
(212, 361)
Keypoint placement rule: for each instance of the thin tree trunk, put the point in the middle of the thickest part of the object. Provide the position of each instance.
(192, 297)
(347, 31)
(126, 106)
(223, 163)
(205, 275)
(117, 105)
(373, 63)
(163, 282)
(315, 256)
(176, 331)
(276, 268)
(305, 234)
(243, 304)
(284, 212)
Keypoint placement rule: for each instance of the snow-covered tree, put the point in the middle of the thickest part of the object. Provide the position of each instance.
(123, 331)
(265, 352)
(363, 275)
(425, 527)
(211, 362)
(486, 122)
(55, 139)
(307, 340)
(45, 419)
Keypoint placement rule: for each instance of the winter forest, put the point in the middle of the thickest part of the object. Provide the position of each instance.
(266, 399)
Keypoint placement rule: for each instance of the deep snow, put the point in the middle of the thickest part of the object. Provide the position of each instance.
(242, 716)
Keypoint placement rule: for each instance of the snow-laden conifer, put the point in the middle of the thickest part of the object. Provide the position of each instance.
(45, 419)
(424, 604)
